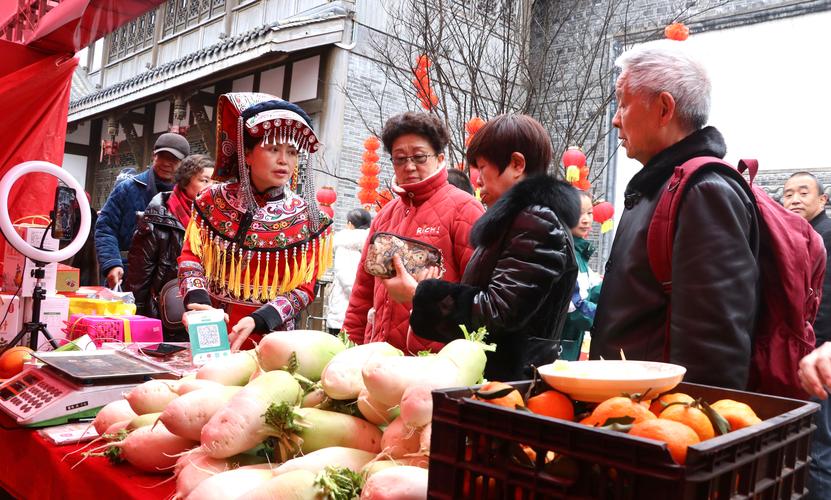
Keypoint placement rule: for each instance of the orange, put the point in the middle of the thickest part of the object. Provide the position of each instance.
(552, 404)
(511, 400)
(676, 435)
(738, 414)
(617, 407)
(661, 403)
(11, 362)
(692, 417)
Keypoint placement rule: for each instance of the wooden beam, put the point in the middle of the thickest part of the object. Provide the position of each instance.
(95, 153)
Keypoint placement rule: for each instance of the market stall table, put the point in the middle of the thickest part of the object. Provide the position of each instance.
(33, 468)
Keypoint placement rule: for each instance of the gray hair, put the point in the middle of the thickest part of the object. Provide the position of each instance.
(666, 66)
(189, 167)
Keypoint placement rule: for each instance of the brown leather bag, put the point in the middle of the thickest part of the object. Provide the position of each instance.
(171, 310)
(414, 254)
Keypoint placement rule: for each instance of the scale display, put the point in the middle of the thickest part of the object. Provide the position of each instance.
(98, 365)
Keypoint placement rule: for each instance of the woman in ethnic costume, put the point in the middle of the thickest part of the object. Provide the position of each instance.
(254, 247)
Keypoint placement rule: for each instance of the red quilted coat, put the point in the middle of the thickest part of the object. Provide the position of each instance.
(431, 211)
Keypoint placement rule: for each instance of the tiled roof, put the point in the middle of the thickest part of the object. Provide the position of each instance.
(84, 93)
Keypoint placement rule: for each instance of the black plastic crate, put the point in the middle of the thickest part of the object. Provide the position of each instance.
(474, 445)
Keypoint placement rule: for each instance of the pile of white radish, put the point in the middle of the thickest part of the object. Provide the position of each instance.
(304, 415)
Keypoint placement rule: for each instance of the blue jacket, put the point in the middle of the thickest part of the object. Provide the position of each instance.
(117, 220)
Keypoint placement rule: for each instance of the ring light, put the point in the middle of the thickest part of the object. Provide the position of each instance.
(7, 227)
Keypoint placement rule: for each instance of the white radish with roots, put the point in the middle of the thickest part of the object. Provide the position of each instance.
(304, 430)
(375, 412)
(150, 397)
(235, 369)
(240, 425)
(386, 378)
(403, 482)
(186, 415)
(195, 466)
(399, 441)
(333, 483)
(111, 413)
(149, 448)
(342, 379)
(194, 384)
(335, 456)
(231, 483)
(305, 352)
(417, 406)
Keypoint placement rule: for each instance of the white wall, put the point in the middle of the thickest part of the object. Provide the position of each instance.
(77, 166)
(770, 94)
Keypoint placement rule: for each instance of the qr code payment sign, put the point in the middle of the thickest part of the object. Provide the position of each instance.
(208, 335)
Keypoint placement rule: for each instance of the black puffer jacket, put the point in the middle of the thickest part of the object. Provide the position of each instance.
(156, 245)
(715, 274)
(518, 282)
(822, 325)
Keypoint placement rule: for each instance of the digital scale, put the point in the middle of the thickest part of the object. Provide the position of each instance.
(72, 385)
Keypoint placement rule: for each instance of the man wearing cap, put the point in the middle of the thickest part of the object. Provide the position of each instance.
(117, 220)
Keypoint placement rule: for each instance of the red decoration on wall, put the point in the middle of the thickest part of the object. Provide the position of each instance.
(471, 127)
(574, 163)
(677, 31)
(326, 197)
(370, 170)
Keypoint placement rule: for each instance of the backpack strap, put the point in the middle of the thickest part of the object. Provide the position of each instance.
(661, 233)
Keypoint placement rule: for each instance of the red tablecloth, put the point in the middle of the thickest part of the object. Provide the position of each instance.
(31, 468)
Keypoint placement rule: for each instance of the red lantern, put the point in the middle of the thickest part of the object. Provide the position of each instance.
(367, 196)
(474, 124)
(383, 198)
(326, 196)
(368, 182)
(677, 31)
(603, 213)
(372, 143)
(370, 156)
(370, 169)
(423, 61)
(574, 156)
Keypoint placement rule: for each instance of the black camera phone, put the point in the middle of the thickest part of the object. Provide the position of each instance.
(66, 215)
(162, 350)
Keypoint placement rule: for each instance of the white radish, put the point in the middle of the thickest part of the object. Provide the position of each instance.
(379, 465)
(111, 413)
(403, 482)
(194, 467)
(232, 483)
(235, 369)
(342, 377)
(374, 411)
(313, 398)
(309, 350)
(149, 448)
(114, 428)
(399, 440)
(143, 421)
(240, 425)
(194, 384)
(150, 397)
(424, 439)
(333, 483)
(337, 456)
(186, 415)
(469, 356)
(311, 429)
(386, 378)
(417, 406)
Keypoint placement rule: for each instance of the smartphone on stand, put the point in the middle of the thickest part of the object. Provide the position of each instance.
(161, 350)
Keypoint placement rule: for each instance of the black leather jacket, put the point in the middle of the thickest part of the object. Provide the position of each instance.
(822, 325)
(156, 245)
(715, 274)
(517, 284)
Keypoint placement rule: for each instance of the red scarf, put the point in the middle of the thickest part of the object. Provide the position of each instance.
(180, 205)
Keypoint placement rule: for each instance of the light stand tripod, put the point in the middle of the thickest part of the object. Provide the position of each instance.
(35, 326)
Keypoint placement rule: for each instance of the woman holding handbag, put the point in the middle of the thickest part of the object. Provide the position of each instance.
(426, 209)
(519, 281)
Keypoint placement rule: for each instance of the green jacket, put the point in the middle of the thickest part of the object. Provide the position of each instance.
(583, 302)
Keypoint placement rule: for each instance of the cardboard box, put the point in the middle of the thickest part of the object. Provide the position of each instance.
(54, 311)
(13, 322)
(68, 279)
(17, 269)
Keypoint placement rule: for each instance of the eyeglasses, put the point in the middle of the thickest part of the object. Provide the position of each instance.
(400, 161)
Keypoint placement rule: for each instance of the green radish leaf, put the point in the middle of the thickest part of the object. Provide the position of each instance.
(113, 453)
(339, 483)
(494, 394)
(720, 424)
(293, 365)
(343, 336)
(424, 353)
(345, 406)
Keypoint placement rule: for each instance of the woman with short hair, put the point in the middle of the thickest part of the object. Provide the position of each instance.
(426, 208)
(519, 281)
(157, 241)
